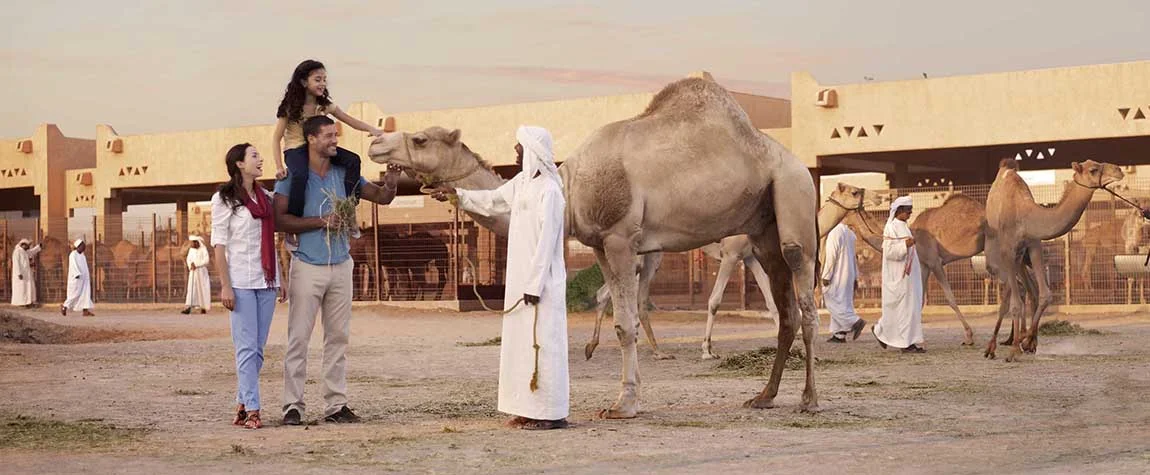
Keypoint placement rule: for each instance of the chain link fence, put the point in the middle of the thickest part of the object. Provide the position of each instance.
(141, 259)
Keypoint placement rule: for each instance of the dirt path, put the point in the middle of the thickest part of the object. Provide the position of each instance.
(155, 398)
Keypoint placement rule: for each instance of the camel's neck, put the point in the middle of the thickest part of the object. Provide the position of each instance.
(830, 215)
(1049, 223)
(467, 173)
(866, 230)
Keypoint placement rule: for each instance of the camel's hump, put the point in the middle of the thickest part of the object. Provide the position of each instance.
(688, 95)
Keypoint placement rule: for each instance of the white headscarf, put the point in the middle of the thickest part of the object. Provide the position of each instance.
(197, 239)
(23, 241)
(77, 243)
(898, 203)
(537, 153)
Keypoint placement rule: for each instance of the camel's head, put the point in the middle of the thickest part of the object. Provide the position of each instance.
(1093, 174)
(851, 197)
(422, 153)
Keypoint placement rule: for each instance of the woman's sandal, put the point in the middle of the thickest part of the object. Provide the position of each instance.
(241, 416)
(253, 421)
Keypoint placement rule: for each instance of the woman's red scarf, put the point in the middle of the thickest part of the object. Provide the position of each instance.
(260, 207)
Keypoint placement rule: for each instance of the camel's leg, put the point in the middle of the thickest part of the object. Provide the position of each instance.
(797, 234)
(650, 265)
(789, 322)
(1011, 277)
(726, 267)
(602, 299)
(940, 273)
(617, 259)
(764, 284)
(1003, 308)
(1044, 296)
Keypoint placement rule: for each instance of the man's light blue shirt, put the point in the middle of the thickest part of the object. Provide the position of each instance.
(313, 245)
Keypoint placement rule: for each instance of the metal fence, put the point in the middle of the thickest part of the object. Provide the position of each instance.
(142, 259)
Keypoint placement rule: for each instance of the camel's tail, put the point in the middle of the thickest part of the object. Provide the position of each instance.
(817, 242)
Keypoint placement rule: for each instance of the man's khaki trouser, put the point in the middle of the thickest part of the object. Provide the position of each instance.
(311, 288)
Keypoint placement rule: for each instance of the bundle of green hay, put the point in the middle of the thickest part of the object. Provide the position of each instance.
(1063, 327)
(581, 289)
(343, 222)
(758, 362)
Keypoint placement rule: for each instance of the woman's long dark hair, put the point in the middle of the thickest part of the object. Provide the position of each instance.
(294, 96)
(232, 191)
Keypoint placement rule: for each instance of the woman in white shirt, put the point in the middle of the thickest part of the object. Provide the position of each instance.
(243, 235)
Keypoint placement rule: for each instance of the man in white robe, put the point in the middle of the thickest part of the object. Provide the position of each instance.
(79, 282)
(538, 394)
(901, 322)
(199, 291)
(840, 274)
(23, 282)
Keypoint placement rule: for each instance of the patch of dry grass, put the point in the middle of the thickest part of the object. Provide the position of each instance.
(24, 432)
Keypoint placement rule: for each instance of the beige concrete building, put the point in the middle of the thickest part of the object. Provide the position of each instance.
(32, 174)
(926, 133)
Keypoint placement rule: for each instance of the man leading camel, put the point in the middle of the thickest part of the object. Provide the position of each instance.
(840, 279)
(533, 380)
(901, 323)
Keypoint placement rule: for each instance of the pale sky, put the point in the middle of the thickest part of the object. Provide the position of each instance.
(146, 67)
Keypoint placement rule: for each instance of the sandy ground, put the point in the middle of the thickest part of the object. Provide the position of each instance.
(150, 392)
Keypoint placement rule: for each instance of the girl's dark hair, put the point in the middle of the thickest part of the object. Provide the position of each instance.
(294, 96)
(232, 191)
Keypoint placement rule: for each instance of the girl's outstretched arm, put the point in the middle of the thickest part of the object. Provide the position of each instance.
(353, 122)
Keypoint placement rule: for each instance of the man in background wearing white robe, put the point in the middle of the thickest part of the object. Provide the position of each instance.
(79, 282)
(199, 285)
(23, 283)
(537, 275)
(901, 322)
(840, 274)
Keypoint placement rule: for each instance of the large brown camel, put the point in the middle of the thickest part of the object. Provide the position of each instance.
(730, 251)
(1016, 227)
(690, 170)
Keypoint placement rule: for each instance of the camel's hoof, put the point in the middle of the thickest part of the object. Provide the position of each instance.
(710, 356)
(616, 414)
(757, 403)
(1014, 355)
(989, 354)
(663, 356)
(589, 351)
(968, 343)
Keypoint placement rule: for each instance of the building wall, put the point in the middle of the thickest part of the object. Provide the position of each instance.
(966, 111)
(176, 158)
(43, 169)
(490, 131)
